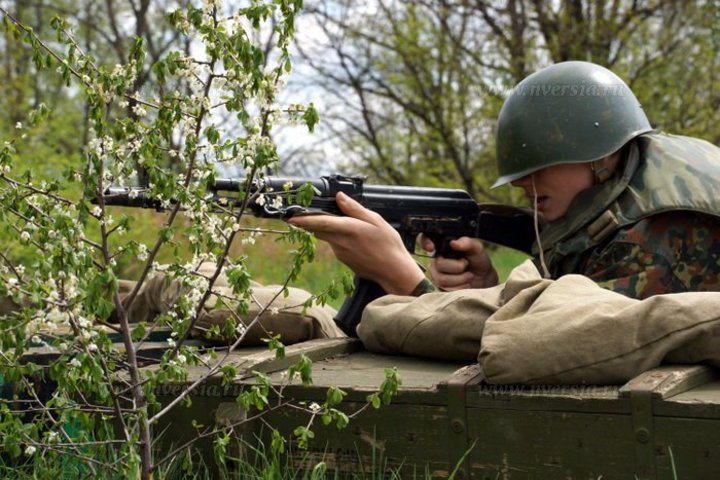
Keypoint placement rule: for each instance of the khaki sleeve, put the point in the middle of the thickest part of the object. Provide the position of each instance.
(442, 325)
(282, 314)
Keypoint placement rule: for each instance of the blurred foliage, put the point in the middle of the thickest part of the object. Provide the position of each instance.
(412, 89)
(409, 91)
(88, 106)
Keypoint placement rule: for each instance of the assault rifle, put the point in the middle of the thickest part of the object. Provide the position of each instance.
(442, 214)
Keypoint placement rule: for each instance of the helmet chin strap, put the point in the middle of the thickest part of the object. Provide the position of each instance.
(536, 222)
(600, 170)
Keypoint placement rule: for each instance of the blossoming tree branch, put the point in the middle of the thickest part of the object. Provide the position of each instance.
(212, 105)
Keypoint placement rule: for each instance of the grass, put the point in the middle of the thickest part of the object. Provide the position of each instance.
(269, 262)
(269, 259)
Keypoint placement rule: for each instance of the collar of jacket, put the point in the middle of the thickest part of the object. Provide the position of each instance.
(661, 173)
(587, 206)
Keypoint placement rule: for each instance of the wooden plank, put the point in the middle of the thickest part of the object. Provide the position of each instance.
(643, 434)
(700, 402)
(456, 388)
(553, 398)
(525, 445)
(410, 437)
(362, 372)
(316, 350)
(669, 380)
(689, 446)
(263, 360)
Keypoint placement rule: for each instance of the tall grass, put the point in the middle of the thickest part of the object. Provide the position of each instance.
(269, 262)
(270, 259)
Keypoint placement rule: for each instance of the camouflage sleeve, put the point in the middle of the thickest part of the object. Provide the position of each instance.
(667, 253)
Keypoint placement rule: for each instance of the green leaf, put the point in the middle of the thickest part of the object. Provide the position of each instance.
(335, 396)
(276, 345)
(166, 234)
(390, 385)
(374, 400)
(341, 420)
(311, 117)
(239, 279)
(303, 368)
(304, 435)
(212, 134)
(305, 194)
(139, 332)
(277, 444)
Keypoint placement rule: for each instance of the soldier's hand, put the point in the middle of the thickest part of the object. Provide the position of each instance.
(474, 270)
(367, 244)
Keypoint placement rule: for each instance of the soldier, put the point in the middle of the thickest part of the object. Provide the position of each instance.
(633, 209)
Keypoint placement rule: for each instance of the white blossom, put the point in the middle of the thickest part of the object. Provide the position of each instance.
(142, 252)
(139, 110)
(56, 316)
(240, 329)
(277, 202)
(29, 450)
(84, 322)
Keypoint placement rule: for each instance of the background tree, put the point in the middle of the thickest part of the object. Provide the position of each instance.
(414, 87)
(25, 87)
(63, 294)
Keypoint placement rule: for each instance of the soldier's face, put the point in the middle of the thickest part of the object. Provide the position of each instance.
(556, 187)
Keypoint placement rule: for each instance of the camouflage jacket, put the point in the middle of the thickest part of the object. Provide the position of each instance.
(653, 229)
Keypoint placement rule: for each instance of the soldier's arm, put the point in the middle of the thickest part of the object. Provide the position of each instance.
(667, 253)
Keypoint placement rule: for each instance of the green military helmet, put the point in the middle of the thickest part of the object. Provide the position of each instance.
(570, 112)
